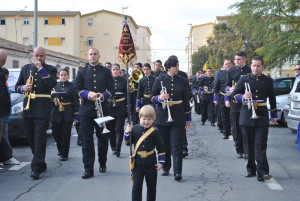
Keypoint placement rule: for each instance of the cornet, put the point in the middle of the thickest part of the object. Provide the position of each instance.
(98, 107)
(165, 102)
(28, 93)
(250, 102)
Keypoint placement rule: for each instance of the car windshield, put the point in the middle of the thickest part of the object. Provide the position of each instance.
(12, 80)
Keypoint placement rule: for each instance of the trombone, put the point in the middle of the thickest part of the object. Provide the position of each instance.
(165, 103)
(98, 107)
(28, 93)
(250, 101)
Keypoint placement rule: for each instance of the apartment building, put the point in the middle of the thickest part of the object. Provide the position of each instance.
(143, 44)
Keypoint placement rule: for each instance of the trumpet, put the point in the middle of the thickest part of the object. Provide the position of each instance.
(165, 102)
(250, 102)
(59, 104)
(98, 107)
(28, 93)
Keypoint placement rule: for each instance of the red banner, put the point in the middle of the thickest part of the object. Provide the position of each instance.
(126, 47)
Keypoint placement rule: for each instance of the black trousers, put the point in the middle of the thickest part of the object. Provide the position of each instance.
(207, 107)
(138, 174)
(62, 136)
(219, 116)
(237, 134)
(197, 105)
(87, 125)
(116, 134)
(185, 142)
(79, 132)
(257, 138)
(134, 114)
(36, 130)
(172, 138)
(225, 118)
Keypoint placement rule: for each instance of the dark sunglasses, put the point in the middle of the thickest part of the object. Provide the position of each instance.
(297, 68)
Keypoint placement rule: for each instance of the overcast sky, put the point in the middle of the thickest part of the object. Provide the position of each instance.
(167, 20)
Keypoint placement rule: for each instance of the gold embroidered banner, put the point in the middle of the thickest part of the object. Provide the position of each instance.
(126, 46)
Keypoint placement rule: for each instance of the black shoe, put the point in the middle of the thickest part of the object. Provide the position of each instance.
(212, 124)
(240, 156)
(165, 173)
(79, 143)
(225, 137)
(185, 154)
(63, 158)
(250, 174)
(87, 175)
(246, 156)
(114, 153)
(102, 169)
(202, 123)
(44, 169)
(117, 153)
(264, 177)
(178, 177)
(35, 175)
(58, 153)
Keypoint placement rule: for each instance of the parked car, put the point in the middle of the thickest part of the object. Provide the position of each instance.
(282, 87)
(293, 117)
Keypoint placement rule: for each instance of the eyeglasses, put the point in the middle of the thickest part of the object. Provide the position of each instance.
(297, 68)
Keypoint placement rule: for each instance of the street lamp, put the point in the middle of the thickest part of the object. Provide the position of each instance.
(191, 47)
(188, 54)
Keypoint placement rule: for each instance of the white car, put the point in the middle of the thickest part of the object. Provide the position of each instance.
(293, 117)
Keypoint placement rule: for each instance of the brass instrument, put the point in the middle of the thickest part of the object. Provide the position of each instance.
(250, 102)
(233, 84)
(98, 107)
(28, 93)
(165, 102)
(135, 76)
(59, 104)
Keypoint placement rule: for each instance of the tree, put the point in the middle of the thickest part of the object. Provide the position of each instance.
(199, 59)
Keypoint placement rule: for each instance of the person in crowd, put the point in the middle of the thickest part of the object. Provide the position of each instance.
(108, 65)
(255, 122)
(65, 105)
(93, 82)
(117, 108)
(145, 138)
(36, 80)
(6, 152)
(133, 95)
(170, 92)
(123, 73)
(232, 77)
(197, 98)
(157, 68)
(145, 87)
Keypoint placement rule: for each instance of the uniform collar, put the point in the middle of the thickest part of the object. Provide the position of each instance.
(64, 82)
(93, 66)
(255, 76)
(171, 76)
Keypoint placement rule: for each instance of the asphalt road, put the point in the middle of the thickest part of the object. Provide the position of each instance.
(211, 172)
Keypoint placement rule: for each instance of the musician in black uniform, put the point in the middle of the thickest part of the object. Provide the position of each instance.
(37, 116)
(205, 87)
(117, 110)
(65, 105)
(158, 68)
(145, 165)
(232, 77)
(145, 87)
(219, 90)
(93, 81)
(196, 95)
(177, 98)
(255, 121)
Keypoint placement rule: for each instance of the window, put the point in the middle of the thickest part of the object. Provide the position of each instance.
(90, 22)
(25, 20)
(63, 41)
(90, 41)
(2, 21)
(73, 73)
(15, 64)
(45, 20)
(63, 20)
(25, 41)
(45, 41)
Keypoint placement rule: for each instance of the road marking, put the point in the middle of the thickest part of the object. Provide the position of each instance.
(273, 185)
(17, 167)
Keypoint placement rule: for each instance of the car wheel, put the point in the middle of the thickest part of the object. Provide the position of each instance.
(282, 120)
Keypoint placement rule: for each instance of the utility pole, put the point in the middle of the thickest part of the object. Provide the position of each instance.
(35, 24)
(191, 48)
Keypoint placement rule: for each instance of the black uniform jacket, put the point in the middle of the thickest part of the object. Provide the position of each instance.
(4, 97)
(261, 88)
(39, 107)
(219, 83)
(66, 95)
(120, 85)
(206, 83)
(145, 87)
(234, 74)
(96, 79)
(177, 87)
(151, 142)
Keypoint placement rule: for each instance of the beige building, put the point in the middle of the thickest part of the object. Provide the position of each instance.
(57, 31)
(143, 45)
(18, 55)
(197, 38)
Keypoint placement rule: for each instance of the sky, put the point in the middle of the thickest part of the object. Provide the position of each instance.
(168, 21)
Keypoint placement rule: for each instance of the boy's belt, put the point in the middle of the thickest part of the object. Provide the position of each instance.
(145, 154)
(256, 104)
(171, 103)
(120, 99)
(147, 95)
(66, 103)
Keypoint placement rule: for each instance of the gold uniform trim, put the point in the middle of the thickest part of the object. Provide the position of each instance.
(145, 154)
(120, 99)
(258, 104)
(147, 96)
